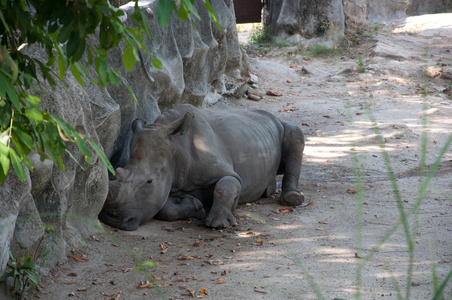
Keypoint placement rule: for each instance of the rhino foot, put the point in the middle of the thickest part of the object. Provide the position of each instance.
(292, 198)
(196, 209)
(220, 221)
(181, 208)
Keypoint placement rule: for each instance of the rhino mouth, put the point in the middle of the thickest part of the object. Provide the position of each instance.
(113, 219)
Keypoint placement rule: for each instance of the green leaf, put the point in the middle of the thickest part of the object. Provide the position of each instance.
(141, 18)
(65, 32)
(112, 77)
(164, 11)
(61, 67)
(101, 69)
(128, 56)
(2, 18)
(17, 285)
(76, 73)
(33, 111)
(24, 137)
(5, 163)
(82, 146)
(32, 276)
(183, 13)
(5, 114)
(5, 86)
(101, 154)
(4, 137)
(79, 51)
(72, 45)
(17, 164)
(190, 8)
(157, 63)
(131, 92)
(212, 15)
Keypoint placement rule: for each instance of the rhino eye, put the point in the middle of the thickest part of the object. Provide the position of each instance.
(149, 181)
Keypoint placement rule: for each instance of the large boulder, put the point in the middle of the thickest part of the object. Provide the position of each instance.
(323, 21)
(296, 20)
(197, 68)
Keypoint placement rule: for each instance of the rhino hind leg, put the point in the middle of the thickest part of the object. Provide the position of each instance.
(292, 155)
(181, 208)
(270, 190)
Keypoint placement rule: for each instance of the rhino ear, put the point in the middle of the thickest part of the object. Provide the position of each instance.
(138, 124)
(180, 126)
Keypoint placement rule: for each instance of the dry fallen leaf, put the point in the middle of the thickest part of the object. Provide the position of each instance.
(82, 289)
(322, 222)
(260, 291)
(284, 210)
(78, 258)
(260, 241)
(145, 284)
(328, 117)
(184, 257)
(309, 204)
(326, 228)
(216, 262)
(221, 281)
(72, 274)
(271, 93)
(350, 191)
(379, 265)
(189, 293)
(196, 244)
(159, 265)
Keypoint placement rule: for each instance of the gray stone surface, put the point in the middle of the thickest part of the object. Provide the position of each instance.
(195, 68)
(323, 21)
(306, 20)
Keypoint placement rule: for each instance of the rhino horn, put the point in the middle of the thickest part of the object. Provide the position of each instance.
(123, 175)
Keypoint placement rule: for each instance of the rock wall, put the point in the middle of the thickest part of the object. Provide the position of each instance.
(195, 68)
(323, 21)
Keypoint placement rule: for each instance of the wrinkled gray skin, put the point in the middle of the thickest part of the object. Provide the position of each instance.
(189, 159)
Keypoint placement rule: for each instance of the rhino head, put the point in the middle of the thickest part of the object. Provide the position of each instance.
(142, 187)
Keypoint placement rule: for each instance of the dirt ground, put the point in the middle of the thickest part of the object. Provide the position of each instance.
(325, 248)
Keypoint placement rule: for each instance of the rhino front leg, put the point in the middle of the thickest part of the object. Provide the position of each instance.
(292, 155)
(181, 208)
(225, 198)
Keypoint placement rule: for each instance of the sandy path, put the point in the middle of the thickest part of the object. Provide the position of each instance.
(315, 250)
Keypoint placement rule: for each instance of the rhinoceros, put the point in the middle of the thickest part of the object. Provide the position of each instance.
(192, 158)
